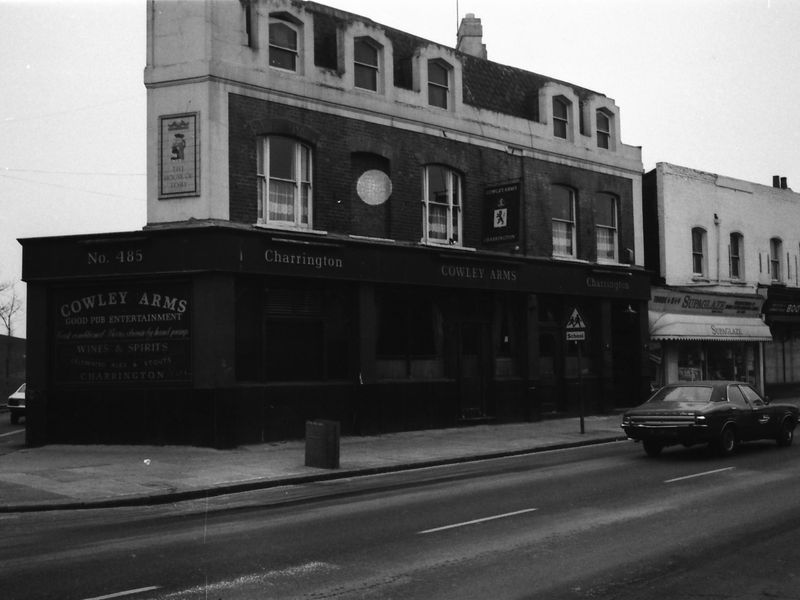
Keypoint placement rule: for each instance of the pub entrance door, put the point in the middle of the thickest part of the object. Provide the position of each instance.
(473, 369)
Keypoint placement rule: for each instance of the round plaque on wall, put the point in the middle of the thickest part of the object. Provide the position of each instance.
(374, 187)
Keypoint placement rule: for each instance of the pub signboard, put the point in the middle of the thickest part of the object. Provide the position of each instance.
(501, 213)
(122, 334)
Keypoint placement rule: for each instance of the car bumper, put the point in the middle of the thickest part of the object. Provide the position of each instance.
(668, 434)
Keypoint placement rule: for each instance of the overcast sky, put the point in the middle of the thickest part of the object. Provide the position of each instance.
(707, 84)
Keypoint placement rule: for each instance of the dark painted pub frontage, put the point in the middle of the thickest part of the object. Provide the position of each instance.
(218, 335)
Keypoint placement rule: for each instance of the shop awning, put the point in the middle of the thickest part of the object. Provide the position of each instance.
(676, 326)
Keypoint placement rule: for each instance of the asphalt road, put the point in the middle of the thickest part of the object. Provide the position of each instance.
(598, 522)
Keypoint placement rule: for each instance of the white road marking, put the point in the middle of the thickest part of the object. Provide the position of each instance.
(15, 432)
(483, 520)
(125, 593)
(699, 474)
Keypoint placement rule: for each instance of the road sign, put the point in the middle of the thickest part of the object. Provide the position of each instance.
(576, 327)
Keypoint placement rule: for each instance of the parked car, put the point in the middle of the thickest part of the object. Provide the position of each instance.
(719, 413)
(16, 404)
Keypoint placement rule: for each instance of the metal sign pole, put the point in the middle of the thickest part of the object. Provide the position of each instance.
(580, 387)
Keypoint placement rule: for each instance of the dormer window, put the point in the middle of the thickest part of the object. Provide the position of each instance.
(283, 46)
(560, 117)
(365, 64)
(603, 130)
(438, 83)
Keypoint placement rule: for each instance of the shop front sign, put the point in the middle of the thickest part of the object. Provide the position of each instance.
(121, 334)
(680, 301)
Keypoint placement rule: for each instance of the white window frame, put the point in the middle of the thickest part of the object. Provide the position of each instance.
(302, 204)
(559, 120)
(285, 49)
(374, 69)
(775, 260)
(603, 134)
(701, 252)
(453, 207)
(738, 258)
(570, 224)
(436, 85)
(611, 229)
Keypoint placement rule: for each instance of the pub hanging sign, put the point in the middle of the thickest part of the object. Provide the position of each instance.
(501, 213)
(179, 160)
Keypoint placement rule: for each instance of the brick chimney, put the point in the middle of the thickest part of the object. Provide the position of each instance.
(470, 37)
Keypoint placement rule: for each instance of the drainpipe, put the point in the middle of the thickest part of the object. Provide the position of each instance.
(719, 244)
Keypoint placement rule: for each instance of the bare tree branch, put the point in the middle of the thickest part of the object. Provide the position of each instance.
(10, 304)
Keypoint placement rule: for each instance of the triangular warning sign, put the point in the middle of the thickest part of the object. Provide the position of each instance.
(575, 320)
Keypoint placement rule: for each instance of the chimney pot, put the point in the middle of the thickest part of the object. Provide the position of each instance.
(783, 183)
(776, 181)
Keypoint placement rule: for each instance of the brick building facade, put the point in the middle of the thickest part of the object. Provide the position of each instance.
(345, 222)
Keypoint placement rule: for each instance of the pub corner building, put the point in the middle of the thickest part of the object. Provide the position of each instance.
(344, 222)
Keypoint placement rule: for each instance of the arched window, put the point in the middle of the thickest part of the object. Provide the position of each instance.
(284, 182)
(563, 207)
(699, 252)
(365, 64)
(282, 46)
(442, 205)
(736, 256)
(606, 211)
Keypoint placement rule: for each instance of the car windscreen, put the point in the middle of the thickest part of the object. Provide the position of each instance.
(689, 393)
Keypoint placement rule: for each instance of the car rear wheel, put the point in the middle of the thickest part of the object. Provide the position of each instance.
(786, 433)
(14, 418)
(652, 448)
(726, 443)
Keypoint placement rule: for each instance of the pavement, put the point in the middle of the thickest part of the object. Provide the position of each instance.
(68, 477)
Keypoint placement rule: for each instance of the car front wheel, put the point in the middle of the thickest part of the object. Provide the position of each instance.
(652, 448)
(786, 433)
(726, 443)
(14, 418)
